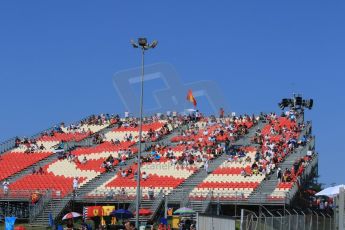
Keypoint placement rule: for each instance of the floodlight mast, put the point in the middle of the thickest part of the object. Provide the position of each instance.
(144, 45)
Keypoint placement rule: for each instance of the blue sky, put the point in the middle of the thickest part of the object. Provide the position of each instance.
(57, 59)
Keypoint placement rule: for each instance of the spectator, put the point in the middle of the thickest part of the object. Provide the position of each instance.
(279, 174)
(151, 193)
(6, 185)
(75, 186)
(42, 147)
(84, 161)
(144, 176)
(40, 170)
(129, 226)
(206, 166)
(123, 173)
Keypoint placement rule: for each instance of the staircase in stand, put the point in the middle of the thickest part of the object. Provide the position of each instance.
(181, 193)
(267, 186)
(57, 206)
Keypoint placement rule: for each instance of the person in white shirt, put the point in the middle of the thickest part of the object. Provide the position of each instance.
(206, 166)
(84, 160)
(5, 185)
(144, 176)
(309, 153)
(151, 193)
(75, 185)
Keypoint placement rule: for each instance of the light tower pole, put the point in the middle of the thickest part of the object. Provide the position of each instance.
(144, 45)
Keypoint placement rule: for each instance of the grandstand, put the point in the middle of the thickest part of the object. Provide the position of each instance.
(210, 164)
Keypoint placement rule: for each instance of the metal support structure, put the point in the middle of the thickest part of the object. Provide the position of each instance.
(218, 205)
(324, 220)
(165, 206)
(142, 42)
(140, 136)
(281, 220)
(242, 217)
(289, 218)
(317, 219)
(304, 220)
(297, 218)
(341, 208)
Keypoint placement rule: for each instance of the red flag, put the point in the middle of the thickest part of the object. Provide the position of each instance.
(191, 98)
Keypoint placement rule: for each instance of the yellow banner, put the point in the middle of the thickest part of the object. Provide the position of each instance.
(107, 210)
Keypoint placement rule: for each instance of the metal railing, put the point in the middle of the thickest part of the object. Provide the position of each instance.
(36, 209)
(290, 220)
(25, 195)
(206, 203)
(157, 202)
(132, 206)
(7, 145)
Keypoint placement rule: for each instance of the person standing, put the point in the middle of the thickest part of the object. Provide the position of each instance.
(6, 185)
(206, 166)
(75, 185)
(279, 174)
(221, 113)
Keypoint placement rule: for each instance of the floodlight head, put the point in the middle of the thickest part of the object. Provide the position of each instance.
(142, 42)
(154, 44)
(134, 44)
(308, 103)
(281, 106)
(298, 101)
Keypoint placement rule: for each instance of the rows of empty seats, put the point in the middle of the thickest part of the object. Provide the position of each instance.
(58, 175)
(32, 151)
(14, 162)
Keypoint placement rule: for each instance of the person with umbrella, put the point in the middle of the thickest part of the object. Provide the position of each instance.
(121, 214)
(129, 226)
(69, 217)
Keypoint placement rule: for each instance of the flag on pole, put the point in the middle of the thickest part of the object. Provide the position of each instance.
(191, 98)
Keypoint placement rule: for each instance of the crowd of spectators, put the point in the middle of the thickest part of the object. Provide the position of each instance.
(101, 119)
(29, 145)
(273, 146)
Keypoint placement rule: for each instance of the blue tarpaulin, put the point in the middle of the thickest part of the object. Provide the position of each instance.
(9, 223)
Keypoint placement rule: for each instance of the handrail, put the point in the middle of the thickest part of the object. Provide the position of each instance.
(157, 203)
(207, 201)
(7, 145)
(185, 199)
(305, 173)
(21, 194)
(132, 206)
(37, 208)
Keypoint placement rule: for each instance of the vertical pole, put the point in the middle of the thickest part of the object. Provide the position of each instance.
(197, 220)
(218, 206)
(236, 204)
(341, 209)
(166, 206)
(140, 134)
(242, 216)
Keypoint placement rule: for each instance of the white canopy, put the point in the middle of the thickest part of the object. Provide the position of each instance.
(331, 191)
